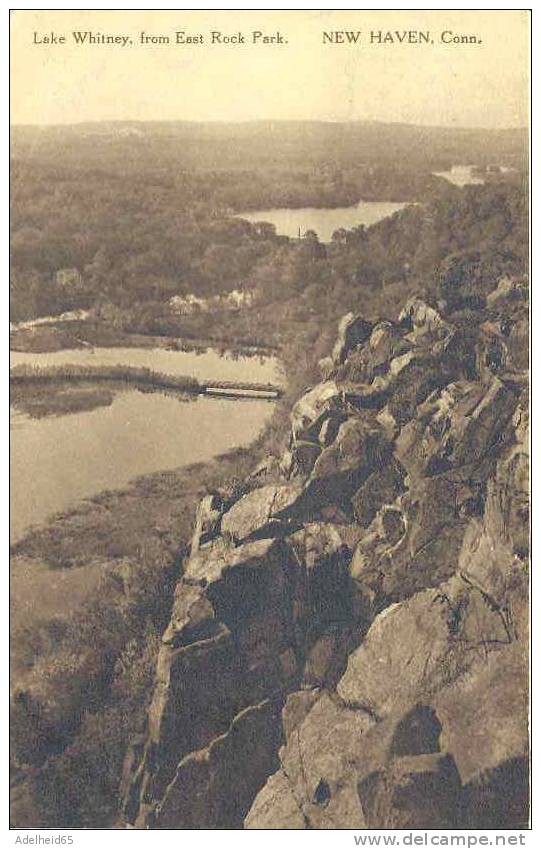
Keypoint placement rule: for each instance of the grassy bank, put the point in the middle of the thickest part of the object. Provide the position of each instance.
(24, 373)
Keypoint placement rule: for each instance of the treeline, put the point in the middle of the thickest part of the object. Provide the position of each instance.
(267, 145)
(327, 185)
(143, 212)
(145, 239)
(138, 245)
(131, 242)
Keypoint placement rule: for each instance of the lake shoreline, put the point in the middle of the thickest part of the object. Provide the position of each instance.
(62, 540)
(296, 223)
(31, 375)
(110, 415)
(59, 336)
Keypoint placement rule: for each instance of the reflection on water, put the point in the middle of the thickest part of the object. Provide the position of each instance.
(58, 399)
(291, 222)
(59, 459)
(208, 364)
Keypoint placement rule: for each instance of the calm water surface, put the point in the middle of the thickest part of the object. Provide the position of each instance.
(461, 175)
(59, 459)
(207, 364)
(289, 222)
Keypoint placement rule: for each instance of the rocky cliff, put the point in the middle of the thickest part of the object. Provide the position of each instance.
(348, 642)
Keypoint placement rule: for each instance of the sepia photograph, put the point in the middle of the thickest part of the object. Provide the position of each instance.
(269, 422)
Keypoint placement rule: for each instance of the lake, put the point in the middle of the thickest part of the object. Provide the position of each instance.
(461, 175)
(289, 222)
(58, 457)
(203, 364)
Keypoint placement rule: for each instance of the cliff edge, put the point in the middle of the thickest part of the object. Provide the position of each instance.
(348, 646)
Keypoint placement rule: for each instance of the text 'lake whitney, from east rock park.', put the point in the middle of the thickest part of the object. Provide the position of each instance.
(90, 38)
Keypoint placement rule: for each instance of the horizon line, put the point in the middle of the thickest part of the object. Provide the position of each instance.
(330, 121)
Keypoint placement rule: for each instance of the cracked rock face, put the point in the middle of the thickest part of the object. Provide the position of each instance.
(348, 642)
(260, 513)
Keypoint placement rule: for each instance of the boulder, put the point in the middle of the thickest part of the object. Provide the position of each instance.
(421, 791)
(495, 548)
(275, 806)
(414, 542)
(386, 342)
(207, 520)
(345, 770)
(324, 596)
(182, 717)
(432, 507)
(261, 513)
(352, 331)
(304, 455)
(484, 714)
(424, 320)
(414, 635)
(416, 380)
(317, 759)
(230, 644)
(385, 346)
(215, 787)
(360, 447)
(507, 291)
(312, 408)
(456, 426)
(381, 487)
(436, 635)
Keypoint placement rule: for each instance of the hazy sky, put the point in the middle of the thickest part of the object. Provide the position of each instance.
(483, 85)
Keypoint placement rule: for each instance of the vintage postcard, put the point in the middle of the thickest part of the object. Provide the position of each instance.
(269, 388)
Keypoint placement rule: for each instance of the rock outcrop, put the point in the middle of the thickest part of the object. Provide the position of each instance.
(349, 639)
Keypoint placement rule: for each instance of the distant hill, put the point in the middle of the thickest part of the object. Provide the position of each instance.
(212, 145)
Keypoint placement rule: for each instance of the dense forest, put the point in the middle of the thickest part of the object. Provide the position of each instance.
(144, 215)
(139, 235)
